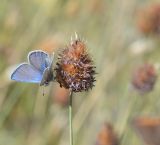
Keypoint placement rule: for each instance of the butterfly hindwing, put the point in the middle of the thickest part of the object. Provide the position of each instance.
(26, 73)
(47, 77)
(38, 59)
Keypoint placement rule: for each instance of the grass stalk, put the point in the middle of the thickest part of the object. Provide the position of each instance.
(70, 119)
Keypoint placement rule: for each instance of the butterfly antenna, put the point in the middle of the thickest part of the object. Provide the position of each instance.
(43, 91)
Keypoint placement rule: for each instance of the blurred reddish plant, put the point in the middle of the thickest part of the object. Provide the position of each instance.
(148, 19)
(144, 78)
(50, 43)
(107, 136)
(148, 129)
(61, 96)
(72, 8)
(96, 6)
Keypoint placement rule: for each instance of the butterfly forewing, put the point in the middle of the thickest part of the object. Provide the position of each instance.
(27, 73)
(38, 59)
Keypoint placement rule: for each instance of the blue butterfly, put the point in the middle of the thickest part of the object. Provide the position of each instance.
(37, 70)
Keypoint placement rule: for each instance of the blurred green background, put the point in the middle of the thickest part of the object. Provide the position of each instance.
(117, 46)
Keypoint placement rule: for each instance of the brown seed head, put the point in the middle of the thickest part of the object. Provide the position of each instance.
(144, 78)
(75, 68)
(107, 136)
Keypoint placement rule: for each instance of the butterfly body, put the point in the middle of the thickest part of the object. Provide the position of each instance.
(47, 77)
(37, 70)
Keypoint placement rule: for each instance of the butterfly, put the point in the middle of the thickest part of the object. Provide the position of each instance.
(37, 70)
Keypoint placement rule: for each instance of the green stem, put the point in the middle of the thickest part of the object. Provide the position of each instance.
(70, 119)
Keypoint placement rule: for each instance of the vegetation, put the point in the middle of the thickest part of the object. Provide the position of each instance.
(117, 44)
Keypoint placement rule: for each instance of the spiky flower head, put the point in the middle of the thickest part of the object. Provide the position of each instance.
(75, 69)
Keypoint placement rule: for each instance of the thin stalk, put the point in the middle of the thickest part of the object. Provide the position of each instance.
(70, 119)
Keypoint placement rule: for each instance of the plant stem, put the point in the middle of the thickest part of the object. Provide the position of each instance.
(70, 119)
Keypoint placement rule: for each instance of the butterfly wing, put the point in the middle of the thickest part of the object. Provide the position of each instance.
(38, 59)
(48, 72)
(47, 77)
(26, 73)
(50, 61)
